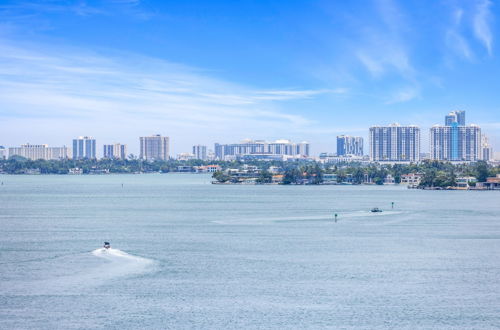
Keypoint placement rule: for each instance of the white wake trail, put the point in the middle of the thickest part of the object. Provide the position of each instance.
(121, 263)
(82, 271)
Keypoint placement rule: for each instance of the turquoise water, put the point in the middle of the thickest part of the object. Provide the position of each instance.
(188, 254)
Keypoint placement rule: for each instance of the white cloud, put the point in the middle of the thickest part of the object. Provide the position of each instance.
(110, 95)
(458, 44)
(454, 38)
(383, 48)
(482, 20)
(376, 68)
(404, 95)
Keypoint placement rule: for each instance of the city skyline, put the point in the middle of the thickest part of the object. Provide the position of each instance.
(217, 72)
(454, 141)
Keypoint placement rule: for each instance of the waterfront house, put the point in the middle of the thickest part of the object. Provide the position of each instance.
(329, 178)
(411, 179)
(75, 171)
(275, 170)
(278, 178)
(208, 169)
(389, 179)
(492, 183)
(464, 182)
(184, 169)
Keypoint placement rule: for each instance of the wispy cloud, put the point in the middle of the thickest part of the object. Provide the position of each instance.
(469, 21)
(374, 66)
(383, 48)
(482, 19)
(21, 9)
(82, 88)
(24, 12)
(454, 39)
(404, 95)
(282, 95)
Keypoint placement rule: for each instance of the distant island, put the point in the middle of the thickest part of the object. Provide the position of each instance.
(424, 175)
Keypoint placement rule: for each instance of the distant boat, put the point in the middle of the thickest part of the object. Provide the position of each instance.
(376, 210)
(107, 245)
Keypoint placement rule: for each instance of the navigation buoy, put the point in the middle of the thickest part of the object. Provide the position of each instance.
(335, 217)
(392, 205)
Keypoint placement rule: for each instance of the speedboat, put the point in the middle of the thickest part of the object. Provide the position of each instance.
(376, 210)
(107, 245)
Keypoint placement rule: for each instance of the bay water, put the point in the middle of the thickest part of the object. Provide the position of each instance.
(189, 254)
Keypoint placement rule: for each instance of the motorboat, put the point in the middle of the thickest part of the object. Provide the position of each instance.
(376, 210)
(107, 245)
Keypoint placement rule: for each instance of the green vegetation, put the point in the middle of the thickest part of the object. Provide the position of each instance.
(434, 174)
(221, 177)
(443, 175)
(265, 177)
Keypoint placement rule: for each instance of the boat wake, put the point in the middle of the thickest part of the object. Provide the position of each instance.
(327, 218)
(77, 273)
(121, 263)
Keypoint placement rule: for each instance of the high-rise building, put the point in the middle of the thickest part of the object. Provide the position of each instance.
(115, 151)
(262, 149)
(84, 148)
(395, 143)
(200, 152)
(3, 153)
(486, 149)
(155, 147)
(60, 152)
(39, 151)
(455, 143)
(457, 116)
(349, 145)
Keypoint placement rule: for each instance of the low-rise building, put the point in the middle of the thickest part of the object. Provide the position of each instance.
(75, 171)
(185, 156)
(208, 169)
(492, 183)
(333, 159)
(32, 171)
(275, 170)
(250, 169)
(184, 169)
(411, 179)
(389, 179)
(278, 178)
(329, 178)
(464, 182)
(99, 171)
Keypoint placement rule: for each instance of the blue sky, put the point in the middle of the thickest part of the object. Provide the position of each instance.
(221, 71)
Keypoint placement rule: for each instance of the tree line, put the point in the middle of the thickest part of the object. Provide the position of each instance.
(434, 173)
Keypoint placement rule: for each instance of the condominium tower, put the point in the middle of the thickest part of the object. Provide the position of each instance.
(84, 148)
(486, 149)
(395, 143)
(455, 141)
(155, 147)
(39, 151)
(262, 149)
(115, 151)
(457, 116)
(200, 152)
(349, 145)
